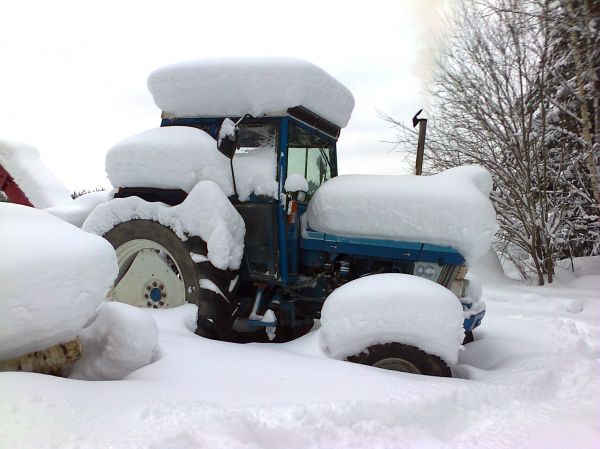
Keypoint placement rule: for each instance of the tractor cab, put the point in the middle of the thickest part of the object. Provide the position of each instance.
(301, 143)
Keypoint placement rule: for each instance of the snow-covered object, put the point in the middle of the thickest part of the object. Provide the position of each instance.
(171, 157)
(296, 183)
(391, 307)
(178, 157)
(52, 278)
(206, 213)
(37, 182)
(227, 130)
(451, 208)
(227, 87)
(78, 210)
(119, 341)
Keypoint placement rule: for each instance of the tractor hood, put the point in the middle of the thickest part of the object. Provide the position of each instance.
(451, 208)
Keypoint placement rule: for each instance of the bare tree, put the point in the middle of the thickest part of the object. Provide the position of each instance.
(495, 105)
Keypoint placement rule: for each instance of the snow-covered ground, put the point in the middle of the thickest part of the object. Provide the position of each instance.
(530, 380)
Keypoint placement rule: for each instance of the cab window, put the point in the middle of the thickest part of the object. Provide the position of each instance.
(310, 156)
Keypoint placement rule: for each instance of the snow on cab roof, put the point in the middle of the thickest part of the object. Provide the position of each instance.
(228, 87)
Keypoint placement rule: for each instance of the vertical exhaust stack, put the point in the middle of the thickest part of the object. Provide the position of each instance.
(422, 122)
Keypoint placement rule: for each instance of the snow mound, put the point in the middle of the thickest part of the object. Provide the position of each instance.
(206, 213)
(78, 210)
(53, 276)
(37, 182)
(119, 341)
(386, 308)
(232, 87)
(451, 208)
(178, 157)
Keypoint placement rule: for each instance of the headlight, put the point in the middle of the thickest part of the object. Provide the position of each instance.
(427, 270)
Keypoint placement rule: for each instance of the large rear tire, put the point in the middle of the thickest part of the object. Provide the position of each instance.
(404, 358)
(156, 270)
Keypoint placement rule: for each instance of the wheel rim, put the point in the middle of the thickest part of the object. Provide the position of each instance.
(397, 364)
(148, 276)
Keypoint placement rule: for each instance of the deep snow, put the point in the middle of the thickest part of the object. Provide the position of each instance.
(531, 379)
(53, 276)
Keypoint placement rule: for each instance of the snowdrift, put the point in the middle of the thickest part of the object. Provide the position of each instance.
(451, 208)
(233, 87)
(53, 277)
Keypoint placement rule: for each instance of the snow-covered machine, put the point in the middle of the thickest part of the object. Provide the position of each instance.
(234, 204)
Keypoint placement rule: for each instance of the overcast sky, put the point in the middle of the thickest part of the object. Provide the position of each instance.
(73, 73)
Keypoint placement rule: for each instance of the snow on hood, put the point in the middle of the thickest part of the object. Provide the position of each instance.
(451, 208)
(227, 87)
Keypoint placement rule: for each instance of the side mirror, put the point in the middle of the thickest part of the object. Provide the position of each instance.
(227, 141)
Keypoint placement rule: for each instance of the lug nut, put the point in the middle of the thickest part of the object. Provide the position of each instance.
(154, 284)
(148, 288)
(146, 296)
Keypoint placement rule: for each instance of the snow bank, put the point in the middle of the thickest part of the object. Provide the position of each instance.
(178, 157)
(451, 208)
(386, 308)
(119, 341)
(37, 182)
(232, 87)
(78, 210)
(206, 213)
(52, 278)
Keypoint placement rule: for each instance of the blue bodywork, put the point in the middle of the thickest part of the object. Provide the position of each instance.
(307, 265)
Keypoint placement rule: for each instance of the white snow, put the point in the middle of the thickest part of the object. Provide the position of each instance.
(37, 182)
(227, 129)
(233, 87)
(529, 380)
(296, 183)
(391, 307)
(78, 210)
(206, 213)
(119, 341)
(52, 278)
(178, 157)
(451, 208)
(171, 157)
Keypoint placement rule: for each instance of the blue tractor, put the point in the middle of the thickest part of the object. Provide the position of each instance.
(288, 269)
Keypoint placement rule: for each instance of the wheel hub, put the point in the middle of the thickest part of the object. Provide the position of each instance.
(149, 276)
(397, 364)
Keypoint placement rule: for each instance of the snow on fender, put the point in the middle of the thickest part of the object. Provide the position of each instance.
(388, 308)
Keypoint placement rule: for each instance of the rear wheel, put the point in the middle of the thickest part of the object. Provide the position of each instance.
(404, 358)
(156, 270)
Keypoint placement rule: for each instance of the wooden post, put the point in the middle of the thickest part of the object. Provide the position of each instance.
(421, 146)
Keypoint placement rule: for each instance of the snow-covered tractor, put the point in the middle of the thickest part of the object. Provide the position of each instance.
(234, 204)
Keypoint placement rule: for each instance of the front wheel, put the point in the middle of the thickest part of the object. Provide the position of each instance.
(404, 358)
(156, 270)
